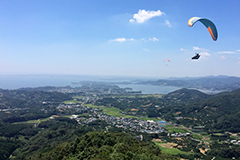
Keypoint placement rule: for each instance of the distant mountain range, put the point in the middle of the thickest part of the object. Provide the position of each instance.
(221, 83)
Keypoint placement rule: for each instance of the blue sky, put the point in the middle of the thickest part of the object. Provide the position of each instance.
(118, 37)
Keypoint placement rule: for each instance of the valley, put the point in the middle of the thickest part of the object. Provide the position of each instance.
(178, 122)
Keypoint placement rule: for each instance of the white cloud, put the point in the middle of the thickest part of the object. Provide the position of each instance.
(238, 50)
(223, 57)
(203, 52)
(226, 52)
(146, 50)
(196, 48)
(205, 55)
(182, 49)
(131, 39)
(167, 23)
(131, 20)
(144, 15)
(121, 40)
(154, 39)
(199, 49)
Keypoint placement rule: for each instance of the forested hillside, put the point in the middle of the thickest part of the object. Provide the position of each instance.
(105, 146)
(22, 141)
(218, 112)
(186, 95)
(64, 138)
(23, 104)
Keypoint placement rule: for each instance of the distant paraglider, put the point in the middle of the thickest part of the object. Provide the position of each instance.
(196, 56)
(166, 60)
(207, 23)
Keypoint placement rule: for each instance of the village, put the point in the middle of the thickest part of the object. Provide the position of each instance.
(132, 124)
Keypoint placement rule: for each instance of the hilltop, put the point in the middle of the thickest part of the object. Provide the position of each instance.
(186, 95)
(107, 146)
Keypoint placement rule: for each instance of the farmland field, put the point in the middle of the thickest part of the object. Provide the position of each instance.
(168, 148)
(110, 111)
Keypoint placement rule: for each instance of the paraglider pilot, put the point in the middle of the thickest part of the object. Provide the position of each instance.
(196, 56)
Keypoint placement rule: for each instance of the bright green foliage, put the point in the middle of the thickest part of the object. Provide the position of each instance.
(107, 146)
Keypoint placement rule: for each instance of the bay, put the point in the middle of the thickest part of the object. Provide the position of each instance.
(150, 89)
(24, 81)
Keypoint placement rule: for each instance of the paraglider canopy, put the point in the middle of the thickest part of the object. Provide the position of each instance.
(207, 23)
(166, 60)
(196, 56)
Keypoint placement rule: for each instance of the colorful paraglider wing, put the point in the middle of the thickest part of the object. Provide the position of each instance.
(207, 23)
(166, 60)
